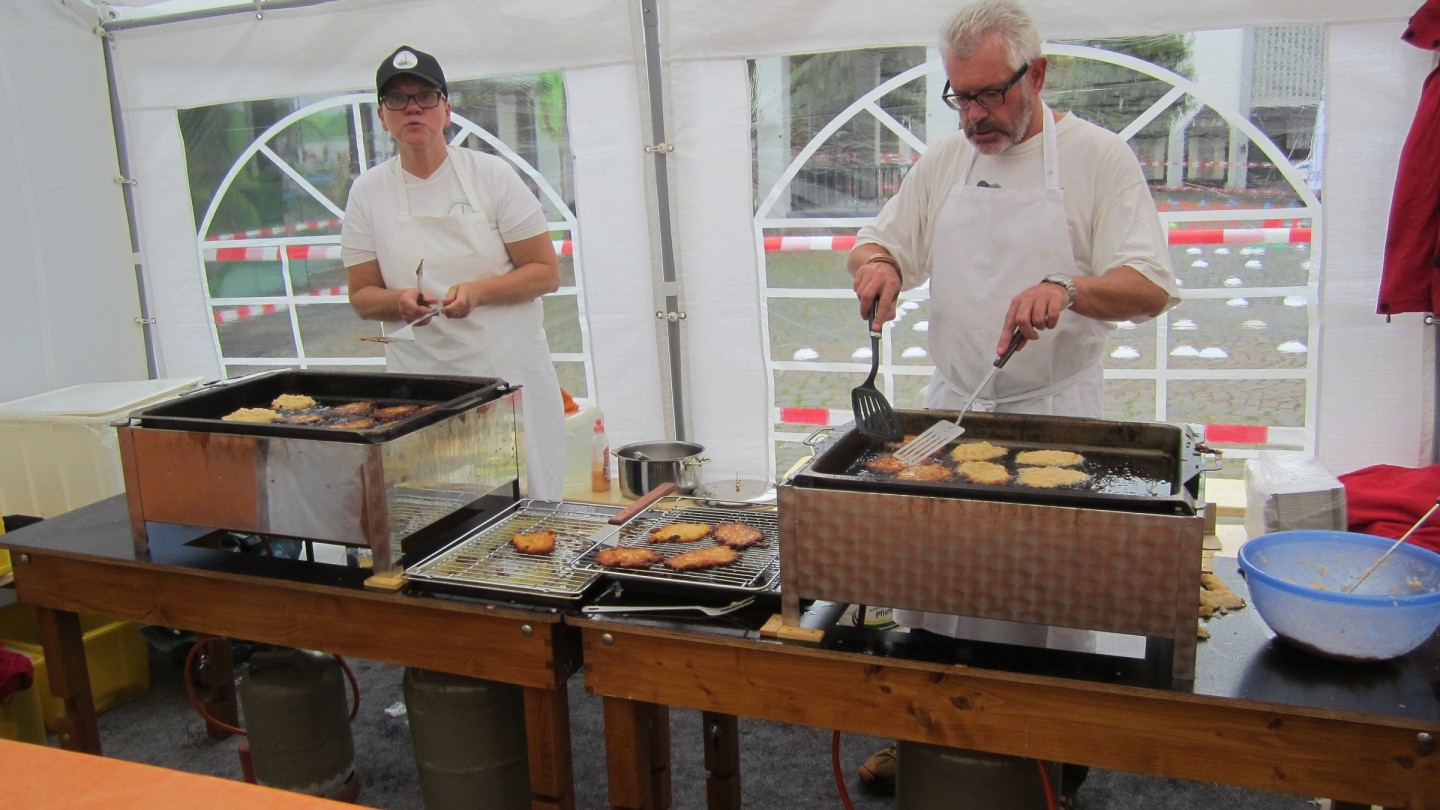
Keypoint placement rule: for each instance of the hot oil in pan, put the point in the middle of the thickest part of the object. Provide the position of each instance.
(1139, 475)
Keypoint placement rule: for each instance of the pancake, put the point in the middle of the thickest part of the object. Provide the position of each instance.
(628, 557)
(984, 472)
(1049, 458)
(353, 409)
(392, 413)
(977, 451)
(1050, 476)
(357, 423)
(256, 415)
(885, 463)
(293, 402)
(680, 532)
(702, 558)
(303, 419)
(930, 471)
(738, 535)
(541, 542)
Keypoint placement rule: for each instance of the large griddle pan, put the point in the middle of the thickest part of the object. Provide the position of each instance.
(1137, 466)
(202, 410)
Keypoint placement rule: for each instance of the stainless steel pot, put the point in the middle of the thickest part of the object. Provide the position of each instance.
(646, 465)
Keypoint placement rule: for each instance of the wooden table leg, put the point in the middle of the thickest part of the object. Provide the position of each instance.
(64, 644)
(627, 753)
(660, 786)
(547, 739)
(722, 760)
(217, 674)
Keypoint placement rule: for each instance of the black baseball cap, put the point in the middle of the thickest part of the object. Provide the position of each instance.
(408, 61)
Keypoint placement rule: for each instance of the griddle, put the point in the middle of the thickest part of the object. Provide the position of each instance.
(1136, 466)
(202, 410)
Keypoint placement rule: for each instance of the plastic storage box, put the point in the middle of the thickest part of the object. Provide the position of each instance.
(115, 654)
(59, 448)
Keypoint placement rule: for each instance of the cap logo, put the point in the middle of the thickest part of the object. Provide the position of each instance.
(404, 60)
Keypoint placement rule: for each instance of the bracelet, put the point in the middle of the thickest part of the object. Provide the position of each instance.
(883, 259)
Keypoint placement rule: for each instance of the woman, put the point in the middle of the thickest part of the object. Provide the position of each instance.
(486, 252)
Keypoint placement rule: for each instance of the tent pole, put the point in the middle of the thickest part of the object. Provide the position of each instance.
(659, 151)
(129, 19)
(127, 192)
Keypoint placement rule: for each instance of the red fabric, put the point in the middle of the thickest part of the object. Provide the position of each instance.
(16, 672)
(1410, 281)
(1386, 500)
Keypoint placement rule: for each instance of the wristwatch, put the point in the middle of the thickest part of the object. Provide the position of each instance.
(1064, 281)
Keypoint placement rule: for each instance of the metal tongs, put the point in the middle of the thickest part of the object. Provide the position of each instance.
(591, 610)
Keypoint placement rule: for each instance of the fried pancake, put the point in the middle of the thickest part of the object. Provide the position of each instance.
(1050, 476)
(984, 472)
(628, 557)
(702, 558)
(885, 463)
(303, 419)
(680, 532)
(293, 402)
(1049, 458)
(738, 535)
(977, 451)
(353, 409)
(930, 471)
(257, 415)
(541, 542)
(359, 423)
(392, 413)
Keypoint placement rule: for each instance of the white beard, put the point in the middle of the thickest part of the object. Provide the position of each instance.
(1008, 137)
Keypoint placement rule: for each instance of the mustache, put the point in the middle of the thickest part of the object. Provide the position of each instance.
(981, 126)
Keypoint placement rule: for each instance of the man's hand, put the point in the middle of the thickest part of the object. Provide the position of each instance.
(1035, 309)
(876, 276)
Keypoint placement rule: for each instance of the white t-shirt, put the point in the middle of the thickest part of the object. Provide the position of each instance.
(1112, 217)
(373, 208)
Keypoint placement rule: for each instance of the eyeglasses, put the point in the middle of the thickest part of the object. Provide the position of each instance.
(989, 99)
(427, 99)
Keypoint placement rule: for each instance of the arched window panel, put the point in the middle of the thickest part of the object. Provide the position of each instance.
(1224, 125)
(269, 181)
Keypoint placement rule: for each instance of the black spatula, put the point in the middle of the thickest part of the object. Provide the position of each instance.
(873, 414)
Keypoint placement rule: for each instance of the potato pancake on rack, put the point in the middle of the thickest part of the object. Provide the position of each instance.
(703, 558)
(738, 535)
(622, 557)
(541, 542)
(680, 532)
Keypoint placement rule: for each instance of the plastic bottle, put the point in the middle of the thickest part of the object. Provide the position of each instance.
(599, 459)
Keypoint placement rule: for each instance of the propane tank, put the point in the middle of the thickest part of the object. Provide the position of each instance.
(298, 724)
(469, 738)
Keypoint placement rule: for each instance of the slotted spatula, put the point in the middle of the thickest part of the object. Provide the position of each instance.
(873, 414)
(943, 432)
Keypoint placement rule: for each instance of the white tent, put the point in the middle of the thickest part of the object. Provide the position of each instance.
(76, 277)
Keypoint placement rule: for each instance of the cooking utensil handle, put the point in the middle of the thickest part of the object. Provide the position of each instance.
(644, 502)
(1016, 341)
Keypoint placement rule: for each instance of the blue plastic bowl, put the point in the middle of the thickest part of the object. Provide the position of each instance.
(1296, 581)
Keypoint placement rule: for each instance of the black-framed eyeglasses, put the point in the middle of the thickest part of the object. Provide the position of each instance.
(989, 99)
(427, 99)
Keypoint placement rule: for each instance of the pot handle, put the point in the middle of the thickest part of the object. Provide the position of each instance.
(818, 434)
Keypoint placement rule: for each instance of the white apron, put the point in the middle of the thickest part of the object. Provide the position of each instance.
(991, 243)
(505, 341)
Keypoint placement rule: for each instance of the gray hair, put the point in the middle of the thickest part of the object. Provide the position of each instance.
(1006, 20)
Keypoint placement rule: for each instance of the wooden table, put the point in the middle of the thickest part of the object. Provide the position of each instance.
(84, 562)
(1258, 715)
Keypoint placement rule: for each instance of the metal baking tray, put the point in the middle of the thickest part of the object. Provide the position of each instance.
(757, 570)
(485, 559)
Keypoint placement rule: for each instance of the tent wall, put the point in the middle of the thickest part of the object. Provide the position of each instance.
(70, 303)
(1374, 376)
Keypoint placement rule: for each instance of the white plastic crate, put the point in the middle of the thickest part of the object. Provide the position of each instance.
(58, 451)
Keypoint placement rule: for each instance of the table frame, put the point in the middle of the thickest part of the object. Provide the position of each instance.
(1174, 733)
(526, 647)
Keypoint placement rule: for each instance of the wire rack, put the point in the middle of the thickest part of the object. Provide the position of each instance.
(487, 559)
(758, 568)
(410, 510)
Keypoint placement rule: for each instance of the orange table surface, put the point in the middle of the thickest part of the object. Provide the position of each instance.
(38, 777)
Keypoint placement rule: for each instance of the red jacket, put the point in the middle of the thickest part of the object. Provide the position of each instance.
(1410, 281)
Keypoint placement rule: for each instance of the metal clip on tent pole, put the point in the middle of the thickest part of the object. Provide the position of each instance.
(672, 317)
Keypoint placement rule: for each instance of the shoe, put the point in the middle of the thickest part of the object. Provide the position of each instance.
(877, 774)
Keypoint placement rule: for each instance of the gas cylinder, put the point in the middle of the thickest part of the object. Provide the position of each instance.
(469, 738)
(298, 724)
(926, 776)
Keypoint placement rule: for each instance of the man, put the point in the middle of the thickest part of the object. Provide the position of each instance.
(1028, 219)
(439, 227)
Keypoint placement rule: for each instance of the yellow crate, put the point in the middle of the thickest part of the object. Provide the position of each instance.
(115, 654)
(21, 717)
(4, 559)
